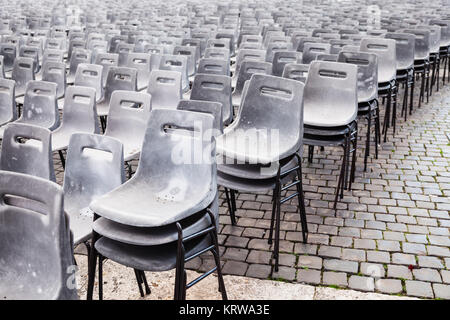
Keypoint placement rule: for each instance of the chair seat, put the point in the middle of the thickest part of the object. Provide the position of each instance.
(257, 172)
(147, 258)
(80, 222)
(142, 204)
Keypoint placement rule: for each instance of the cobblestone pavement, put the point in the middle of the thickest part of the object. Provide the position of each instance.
(390, 234)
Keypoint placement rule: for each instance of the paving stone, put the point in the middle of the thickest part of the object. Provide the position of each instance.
(424, 274)
(353, 254)
(309, 276)
(361, 283)
(330, 252)
(304, 248)
(235, 254)
(365, 244)
(406, 259)
(310, 262)
(287, 259)
(414, 248)
(441, 291)
(378, 256)
(374, 270)
(388, 245)
(259, 257)
(335, 278)
(439, 240)
(371, 234)
(430, 262)
(342, 241)
(239, 242)
(391, 286)
(340, 265)
(261, 271)
(284, 273)
(419, 289)
(396, 236)
(445, 276)
(401, 272)
(418, 238)
(235, 268)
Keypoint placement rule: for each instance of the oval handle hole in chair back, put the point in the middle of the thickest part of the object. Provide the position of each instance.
(357, 61)
(24, 65)
(287, 59)
(165, 80)
(122, 77)
(377, 46)
(139, 61)
(131, 104)
(276, 93)
(332, 74)
(169, 128)
(90, 73)
(107, 61)
(184, 53)
(4, 89)
(212, 85)
(21, 202)
(213, 67)
(402, 41)
(174, 63)
(81, 56)
(103, 155)
(255, 70)
(78, 98)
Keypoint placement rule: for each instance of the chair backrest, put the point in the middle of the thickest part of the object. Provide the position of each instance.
(214, 66)
(176, 63)
(75, 45)
(80, 113)
(9, 52)
(128, 117)
(296, 71)
(194, 170)
(2, 67)
(142, 63)
(78, 56)
(23, 72)
(300, 42)
(405, 47)
(209, 107)
(52, 55)
(248, 68)
(30, 52)
(55, 72)
(422, 43)
(27, 149)
(35, 241)
(282, 58)
(120, 78)
(276, 46)
(8, 111)
(338, 44)
(106, 60)
(339, 106)
(101, 160)
(191, 55)
(165, 89)
(214, 88)
(39, 106)
(445, 30)
(123, 49)
(385, 49)
(311, 50)
(217, 53)
(367, 73)
(90, 75)
(435, 36)
(272, 103)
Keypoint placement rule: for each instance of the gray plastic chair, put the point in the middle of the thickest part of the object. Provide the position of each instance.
(55, 72)
(22, 73)
(31, 52)
(90, 75)
(176, 63)
(217, 53)
(214, 66)
(78, 56)
(39, 106)
(311, 50)
(106, 60)
(214, 88)
(127, 120)
(142, 63)
(249, 142)
(27, 149)
(282, 58)
(165, 88)
(123, 49)
(94, 168)
(191, 54)
(35, 244)
(79, 115)
(296, 71)
(8, 111)
(247, 69)
(9, 52)
(74, 45)
(119, 78)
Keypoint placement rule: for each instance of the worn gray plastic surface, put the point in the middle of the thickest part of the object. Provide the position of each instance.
(166, 188)
(8, 111)
(338, 104)
(94, 167)
(36, 252)
(405, 46)
(385, 49)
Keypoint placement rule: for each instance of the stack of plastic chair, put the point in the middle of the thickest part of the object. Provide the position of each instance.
(257, 154)
(140, 62)
(405, 45)
(385, 49)
(444, 44)
(106, 60)
(22, 73)
(176, 63)
(165, 88)
(368, 106)
(174, 217)
(296, 71)
(78, 56)
(330, 120)
(35, 243)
